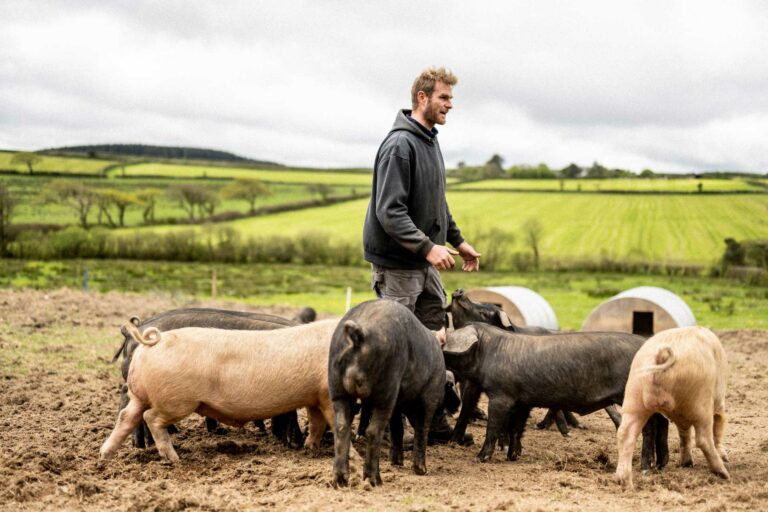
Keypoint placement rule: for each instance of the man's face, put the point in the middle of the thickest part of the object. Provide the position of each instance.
(438, 104)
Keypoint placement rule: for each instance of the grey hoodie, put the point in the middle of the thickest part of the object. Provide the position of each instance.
(408, 213)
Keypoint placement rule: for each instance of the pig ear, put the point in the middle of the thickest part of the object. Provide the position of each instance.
(354, 333)
(461, 340)
(504, 319)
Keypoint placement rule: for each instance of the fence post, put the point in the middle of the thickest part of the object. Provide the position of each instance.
(349, 299)
(85, 280)
(213, 284)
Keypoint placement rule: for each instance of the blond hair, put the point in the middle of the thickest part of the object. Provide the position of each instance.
(426, 82)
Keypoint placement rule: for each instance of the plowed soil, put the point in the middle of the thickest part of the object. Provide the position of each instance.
(59, 395)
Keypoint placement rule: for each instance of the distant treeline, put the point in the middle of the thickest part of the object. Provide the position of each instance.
(149, 151)
(494, 169)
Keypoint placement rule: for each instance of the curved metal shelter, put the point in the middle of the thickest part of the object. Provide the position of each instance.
(523, 305)
(643, 310)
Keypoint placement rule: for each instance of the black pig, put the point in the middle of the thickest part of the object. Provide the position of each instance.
(381, 354)
(463, 311)
(580, 372)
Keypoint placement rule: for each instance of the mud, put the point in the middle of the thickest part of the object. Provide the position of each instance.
(58, 399)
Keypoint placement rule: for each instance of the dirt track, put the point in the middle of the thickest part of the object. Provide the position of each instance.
(58, 398)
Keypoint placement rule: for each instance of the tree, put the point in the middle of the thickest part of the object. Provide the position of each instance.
(647, 173)
(572, 171)
(246, 189)
(210, 202)
(734, 255)
(73, 194)
(190, 196)
(533, 232)
(28, 159)
(494, 167)
(597, 171)
(320, 188)
(108, 198)
(7, 205)
(148, 198)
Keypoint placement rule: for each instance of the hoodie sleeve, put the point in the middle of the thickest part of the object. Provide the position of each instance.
(392, 189)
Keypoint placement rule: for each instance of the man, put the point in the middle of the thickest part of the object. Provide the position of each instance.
(408, 220)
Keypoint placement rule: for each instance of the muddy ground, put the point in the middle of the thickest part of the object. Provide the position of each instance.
(58, 399)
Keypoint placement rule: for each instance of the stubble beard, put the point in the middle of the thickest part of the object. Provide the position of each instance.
(432, 114)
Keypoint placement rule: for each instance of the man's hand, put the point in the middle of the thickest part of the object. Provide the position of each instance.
(470, 256)
(440, 257)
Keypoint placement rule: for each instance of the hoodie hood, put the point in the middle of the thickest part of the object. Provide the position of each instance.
(404, 121)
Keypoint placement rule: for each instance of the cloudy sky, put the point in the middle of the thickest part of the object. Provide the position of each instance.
(674, 86)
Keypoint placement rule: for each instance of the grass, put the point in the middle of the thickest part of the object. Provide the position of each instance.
(716, 303)
(279, 176)
(618, 184)
(56, 164)
(638, 228)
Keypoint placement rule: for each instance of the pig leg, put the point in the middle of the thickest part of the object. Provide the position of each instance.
(157, 424)
(365, 419)
(661, 440)
(626, 438)
(420, 419)
(127, 420)
(647, 453)
(549, 418)
(570, 418)
(396, 438)
(317, 424)
(285, 427)
(517, 422)
(562, 423)
(342, 430)
(499, 408)
(718, 429)
(373, 434)
(470, 396)
(706, 444)
(614, 414)
(686, 446)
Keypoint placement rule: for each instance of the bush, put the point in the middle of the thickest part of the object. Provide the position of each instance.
(70, 242)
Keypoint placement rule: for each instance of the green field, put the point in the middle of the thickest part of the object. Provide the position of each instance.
(281, 176)
(27, 188)
(617, 184)
(717, 303)
(641, 228)
(56, 164)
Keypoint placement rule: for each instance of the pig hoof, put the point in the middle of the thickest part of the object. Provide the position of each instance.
(482, 457)
(339, 480)
(686, 463)
(723, 474)
(420, 469)
(373, 480)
